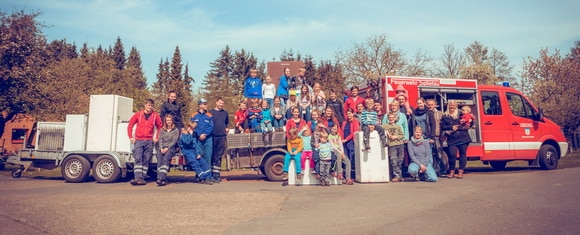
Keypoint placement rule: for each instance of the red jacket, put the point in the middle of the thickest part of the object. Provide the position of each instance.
(290, 123)
(354, 127)
(351, 103)
(240, 117)
(145, 127)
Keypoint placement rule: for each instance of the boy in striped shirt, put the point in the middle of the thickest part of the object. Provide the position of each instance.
(370, 122)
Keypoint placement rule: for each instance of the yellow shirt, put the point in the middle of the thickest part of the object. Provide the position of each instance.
(295, 144)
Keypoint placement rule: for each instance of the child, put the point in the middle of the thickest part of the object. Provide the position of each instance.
(319, 130)
(369, 121)
(295, 121)
(187, 143)
(305, 102)
(335, 140)
(278, 114)
(319, 98)
(240, 118)
(305, 135)
(315, 119)
(294, 147)
(253, 116)
(325, 155)
(336, 105)
(396, 148)
(266, 119)
(253, 86)
(269, 91)
(291, 104)
(466, 116)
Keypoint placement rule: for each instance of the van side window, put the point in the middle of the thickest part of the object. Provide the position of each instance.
(491, 104)
(520, 106)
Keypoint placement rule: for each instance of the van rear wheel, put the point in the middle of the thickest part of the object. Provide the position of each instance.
(498, 165)
(548, 157)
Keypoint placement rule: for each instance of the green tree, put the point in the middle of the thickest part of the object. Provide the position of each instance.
(22, 55)
(171, 78)
(486, 68)
(119, 54)
(552, 82)
(371, 59)
(330, 76)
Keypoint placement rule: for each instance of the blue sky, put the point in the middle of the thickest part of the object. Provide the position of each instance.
(319, 28)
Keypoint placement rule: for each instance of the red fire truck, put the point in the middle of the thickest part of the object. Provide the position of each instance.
(508, 126)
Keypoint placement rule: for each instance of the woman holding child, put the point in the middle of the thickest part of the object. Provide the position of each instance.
(457, 139)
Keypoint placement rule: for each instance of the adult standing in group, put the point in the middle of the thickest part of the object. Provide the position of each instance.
(349, 127)
(439, 156)
(166, 146)
(336, 105)
(283, 88)
(425, 119)
(353, 100)
(204, 129)
(221, 121)
(143, 139)
(172, 107)
(252, 86)
(457, 139)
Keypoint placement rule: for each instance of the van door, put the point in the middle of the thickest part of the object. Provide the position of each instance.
(524, 130)
(496, 136)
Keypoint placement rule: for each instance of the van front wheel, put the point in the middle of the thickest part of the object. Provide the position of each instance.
(498, 165)
(548, 157)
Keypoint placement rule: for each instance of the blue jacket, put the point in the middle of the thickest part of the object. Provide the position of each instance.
(266, 115)
(204, 123)
(283, 87)
(187, 143)
(253, 88)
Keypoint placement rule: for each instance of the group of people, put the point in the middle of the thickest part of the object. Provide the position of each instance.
(201, 140)
(321, 128)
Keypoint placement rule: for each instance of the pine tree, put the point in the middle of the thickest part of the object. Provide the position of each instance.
(119, 55)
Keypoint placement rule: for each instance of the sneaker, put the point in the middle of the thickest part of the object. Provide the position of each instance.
(317, 176)
(285, 176)
(298, 176)
(396, 179)
(134, 182)
(217, 180)
(385, 144)
(333, 174)
(312, 171)
(323, 183)
(367, 147)
(327, 183)
(208, 181)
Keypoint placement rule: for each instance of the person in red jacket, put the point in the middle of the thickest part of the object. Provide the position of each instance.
(295, 121)
(349, 127)
(353, 100)
(147, 122)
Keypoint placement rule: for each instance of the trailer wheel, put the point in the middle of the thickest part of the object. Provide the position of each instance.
(106, 169)
(498, 165)
(548, 157)
(75, 168)
(16, 173)
(273, 167)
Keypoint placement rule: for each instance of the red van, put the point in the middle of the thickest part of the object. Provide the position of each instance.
(508, 126)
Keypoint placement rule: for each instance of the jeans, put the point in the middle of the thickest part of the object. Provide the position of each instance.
(306, 113)
(349, 151)
(278, 123)
(266, 127)
(270, 102)
(430, 174)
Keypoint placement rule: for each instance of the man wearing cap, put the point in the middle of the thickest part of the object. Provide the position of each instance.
(221, 121)
(204, 129)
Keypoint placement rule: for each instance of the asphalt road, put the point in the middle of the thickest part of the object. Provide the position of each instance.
(520, 201)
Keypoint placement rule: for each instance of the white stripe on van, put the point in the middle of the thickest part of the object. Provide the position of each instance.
(515, 145)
